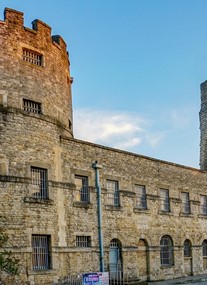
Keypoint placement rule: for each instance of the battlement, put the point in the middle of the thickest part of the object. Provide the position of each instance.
(35, 70)
(15, 20)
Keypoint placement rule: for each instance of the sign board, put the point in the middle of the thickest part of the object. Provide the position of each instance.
(95, 278)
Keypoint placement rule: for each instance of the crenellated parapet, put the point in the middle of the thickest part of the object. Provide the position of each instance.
(34, 71)
(15, 20)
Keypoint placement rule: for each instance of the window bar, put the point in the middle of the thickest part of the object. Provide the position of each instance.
(40, 252)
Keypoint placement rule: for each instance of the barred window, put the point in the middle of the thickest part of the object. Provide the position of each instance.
(32, 57)
(166, 251)
(39, 182)
(203, 204)
(82, 190)
(187, 248)
(83, 241)
(164, 200)
(204, 247)
(113, 192)
(141, 201)
(31, 106)
(185, 202)
(41, 256)
(115, 257)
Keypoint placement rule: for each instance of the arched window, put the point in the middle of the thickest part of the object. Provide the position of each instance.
(204, 247)
(166, 251)
(115, 256)
(187, 248)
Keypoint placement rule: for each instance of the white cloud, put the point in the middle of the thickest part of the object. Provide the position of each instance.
(181, 117)
(155, 138)
(129, 143)
(117, 129)
(125, 130)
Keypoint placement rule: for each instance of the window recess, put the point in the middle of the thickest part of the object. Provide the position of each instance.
(32, 57)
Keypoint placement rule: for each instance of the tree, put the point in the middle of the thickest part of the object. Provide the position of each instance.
(8, 263)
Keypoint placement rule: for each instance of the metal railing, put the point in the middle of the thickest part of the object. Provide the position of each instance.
(71, 280)
(115, 278)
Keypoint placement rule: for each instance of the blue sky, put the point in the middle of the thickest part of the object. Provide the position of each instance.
(137, 68)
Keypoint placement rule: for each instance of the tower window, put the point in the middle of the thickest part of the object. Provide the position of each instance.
(31, 106)
(32, 57)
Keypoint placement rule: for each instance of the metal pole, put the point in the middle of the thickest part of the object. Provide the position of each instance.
(97, 166)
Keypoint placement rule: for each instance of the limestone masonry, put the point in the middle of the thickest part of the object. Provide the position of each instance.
(154, 213)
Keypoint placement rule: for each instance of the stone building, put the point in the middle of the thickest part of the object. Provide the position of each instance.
(154, 213)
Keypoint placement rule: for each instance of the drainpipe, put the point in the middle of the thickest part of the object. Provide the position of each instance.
(97, 166)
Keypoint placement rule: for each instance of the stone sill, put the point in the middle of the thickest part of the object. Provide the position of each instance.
(202, 216)
(41, 272)
(141, 210)
(38, 201)
(167, 266)
(186, 215)
(165, 213)
(82, 205)
(113, 208)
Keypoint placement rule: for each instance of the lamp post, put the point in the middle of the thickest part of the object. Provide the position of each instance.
(96, 167)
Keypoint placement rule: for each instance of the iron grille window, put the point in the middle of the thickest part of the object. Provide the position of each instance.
(187, 248)
(31, 106)
(141, 201)
(185, 202)
(41, 257)
(39, 182)
(164, 200)
(113, 192)
(166, 251)
(83, 241)
(204, 247)
(204, 204)
(82, 194)
(32, 57)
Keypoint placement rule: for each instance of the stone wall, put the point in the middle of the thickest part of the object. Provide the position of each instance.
(44, 140)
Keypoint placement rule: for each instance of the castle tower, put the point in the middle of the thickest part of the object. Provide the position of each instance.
(35, 92)
(35, 77)
(203, 127)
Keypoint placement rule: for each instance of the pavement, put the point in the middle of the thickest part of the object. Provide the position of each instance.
(194, 280)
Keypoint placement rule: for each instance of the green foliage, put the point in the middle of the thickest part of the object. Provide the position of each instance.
(8, 263)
